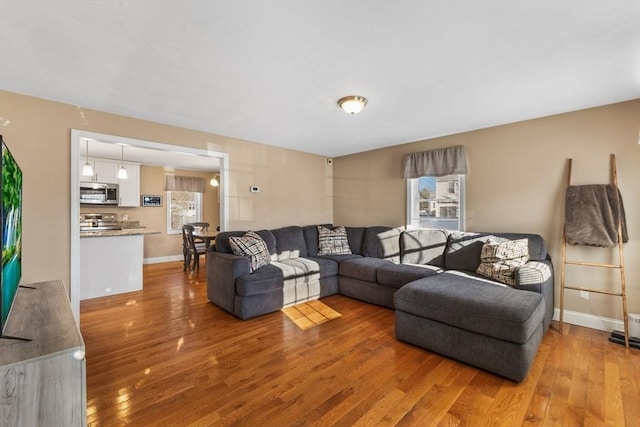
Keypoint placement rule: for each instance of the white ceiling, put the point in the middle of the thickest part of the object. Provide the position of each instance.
(272, 71)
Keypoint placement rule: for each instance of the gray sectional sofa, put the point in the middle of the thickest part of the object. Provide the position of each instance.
(428, 276)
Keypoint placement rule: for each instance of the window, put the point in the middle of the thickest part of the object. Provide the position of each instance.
(436, 202)
(182, 207)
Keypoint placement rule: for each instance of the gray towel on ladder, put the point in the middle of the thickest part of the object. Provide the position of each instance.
(592, 214)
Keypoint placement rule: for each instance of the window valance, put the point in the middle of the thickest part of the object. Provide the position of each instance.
(183, 183)
(439, 162)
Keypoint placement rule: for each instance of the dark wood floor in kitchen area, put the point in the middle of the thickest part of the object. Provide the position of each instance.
(165, 356)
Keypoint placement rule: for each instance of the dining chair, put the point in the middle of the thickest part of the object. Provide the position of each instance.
(191, 249)
(203, 226)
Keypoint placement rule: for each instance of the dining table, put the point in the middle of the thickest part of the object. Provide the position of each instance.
(209, 237)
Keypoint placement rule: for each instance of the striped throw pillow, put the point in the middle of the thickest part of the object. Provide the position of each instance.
(253, 246)
(333, 242)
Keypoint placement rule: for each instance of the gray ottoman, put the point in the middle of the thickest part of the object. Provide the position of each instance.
(473, 320)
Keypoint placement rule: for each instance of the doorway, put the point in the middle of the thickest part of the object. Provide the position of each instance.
(79, 138)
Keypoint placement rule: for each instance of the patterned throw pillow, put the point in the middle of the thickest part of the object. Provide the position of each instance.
(499, 261)
(333, 242)
(253, 246)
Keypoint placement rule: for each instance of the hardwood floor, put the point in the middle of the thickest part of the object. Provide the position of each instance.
(165, 356)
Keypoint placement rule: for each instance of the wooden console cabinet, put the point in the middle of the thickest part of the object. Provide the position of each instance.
(42, 381)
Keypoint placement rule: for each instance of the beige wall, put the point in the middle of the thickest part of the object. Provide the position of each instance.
(155, 218)
(516, 182)
(295, 186)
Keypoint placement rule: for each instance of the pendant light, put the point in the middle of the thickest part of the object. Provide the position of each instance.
(214, 180)
(87, 169)
(122, 172)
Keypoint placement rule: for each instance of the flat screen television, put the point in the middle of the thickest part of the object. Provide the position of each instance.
(11, 232)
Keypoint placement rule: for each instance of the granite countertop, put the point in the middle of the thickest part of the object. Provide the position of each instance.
(123, 232)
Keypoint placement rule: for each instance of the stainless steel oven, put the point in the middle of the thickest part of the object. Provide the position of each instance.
(99, 221)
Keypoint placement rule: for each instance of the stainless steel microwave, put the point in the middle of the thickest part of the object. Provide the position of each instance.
(98, 193)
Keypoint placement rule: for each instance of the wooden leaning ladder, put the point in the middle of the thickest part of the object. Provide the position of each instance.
(620, 266)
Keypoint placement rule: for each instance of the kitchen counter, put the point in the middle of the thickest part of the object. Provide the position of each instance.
(113, 264)
(123, 232)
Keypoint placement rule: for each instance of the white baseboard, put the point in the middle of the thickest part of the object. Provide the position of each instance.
(160, 259)
(589, 320)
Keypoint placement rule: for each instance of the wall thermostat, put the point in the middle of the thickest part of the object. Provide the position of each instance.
(254, 189)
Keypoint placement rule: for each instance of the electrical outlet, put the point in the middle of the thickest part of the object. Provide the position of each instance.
(584, 294)
(254, 189)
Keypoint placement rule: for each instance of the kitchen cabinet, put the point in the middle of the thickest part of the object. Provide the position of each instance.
(107, 171)
(43, 380)
(103, 171)
(129, 189)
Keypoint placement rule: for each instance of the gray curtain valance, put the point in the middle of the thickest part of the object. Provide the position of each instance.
(184, 183)
(440, 162)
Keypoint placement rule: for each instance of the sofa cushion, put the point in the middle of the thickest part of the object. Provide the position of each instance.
(398, 275)
(252, 246)
(362, 268)
(312, 268)
(310, 234)
(382, 242)
(472, 304)
(423, 246)
(463, 248)
(223, 246)
(265, 279)
(339, 258)
(499, 261)
(289, 242)
(463, 251)
(294, 270)
(355, 235)
(333, 241)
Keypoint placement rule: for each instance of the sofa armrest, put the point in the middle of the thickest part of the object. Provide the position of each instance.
(533, 274)
(537, 276)
(222, 271)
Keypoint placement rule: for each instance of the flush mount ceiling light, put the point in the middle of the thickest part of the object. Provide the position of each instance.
(87, 169)
(352, 104)
(122, 172)
(214, 180)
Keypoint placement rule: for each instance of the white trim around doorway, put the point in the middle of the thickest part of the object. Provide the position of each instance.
(78, 137)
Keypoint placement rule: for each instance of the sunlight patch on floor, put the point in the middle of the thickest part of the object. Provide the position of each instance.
(310, 314)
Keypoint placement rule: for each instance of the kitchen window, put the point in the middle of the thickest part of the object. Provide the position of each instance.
(183, 207)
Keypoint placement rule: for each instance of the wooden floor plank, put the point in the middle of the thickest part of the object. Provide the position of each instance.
(613, 410)
(594, 408)
(165, 356)
(539, 404)
(630, 380)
